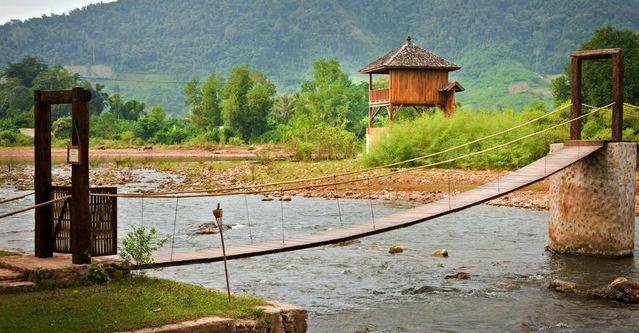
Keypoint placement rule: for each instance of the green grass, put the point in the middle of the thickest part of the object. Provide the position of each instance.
(6, 253)
(124, 304)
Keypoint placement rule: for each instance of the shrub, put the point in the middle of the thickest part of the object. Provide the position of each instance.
(61, 127)
(430, 133)
(10, 138)
(139, 244)
(98, 275)
(235, 141)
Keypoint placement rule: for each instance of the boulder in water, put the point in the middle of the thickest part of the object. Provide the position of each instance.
(458, 276)
(210, 228)
(345, 243)
(395, 249)
(440, 253)
(620, 290)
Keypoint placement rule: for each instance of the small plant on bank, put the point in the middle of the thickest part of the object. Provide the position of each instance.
(98, 275)
(138, 246)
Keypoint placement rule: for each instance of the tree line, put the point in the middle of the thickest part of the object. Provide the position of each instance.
(326, 117)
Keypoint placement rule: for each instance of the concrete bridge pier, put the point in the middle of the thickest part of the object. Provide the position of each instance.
(592, 203)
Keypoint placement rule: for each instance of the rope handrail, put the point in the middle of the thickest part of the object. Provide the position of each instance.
(18, 197)
(33, 207)
(134, 195)
(390, 165)
(631, 106)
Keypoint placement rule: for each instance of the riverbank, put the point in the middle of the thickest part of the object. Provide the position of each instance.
(419, 186)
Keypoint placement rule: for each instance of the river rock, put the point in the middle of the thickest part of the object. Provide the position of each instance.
(395, 249)
(562, 286)
(210, 228)
(440, 253)
(620, 290)
(346, 243)
(458, 276)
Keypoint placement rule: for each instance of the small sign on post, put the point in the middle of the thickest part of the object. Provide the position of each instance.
(73, 155)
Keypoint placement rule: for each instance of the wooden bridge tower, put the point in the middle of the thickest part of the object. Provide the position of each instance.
(82, 225)
(416, 77)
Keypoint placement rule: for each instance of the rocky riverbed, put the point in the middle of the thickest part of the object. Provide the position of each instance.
(420, 186)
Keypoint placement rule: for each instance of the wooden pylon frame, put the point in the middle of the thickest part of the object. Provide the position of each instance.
(80, 216)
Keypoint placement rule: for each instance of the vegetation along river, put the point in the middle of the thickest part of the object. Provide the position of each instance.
(361, 288)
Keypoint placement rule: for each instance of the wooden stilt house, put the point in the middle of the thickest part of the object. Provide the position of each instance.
(416, 77)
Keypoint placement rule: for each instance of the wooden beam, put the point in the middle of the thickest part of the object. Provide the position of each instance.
(42, 177)
(80, 215)
(595, 54)
(617, 95)
(575, 111)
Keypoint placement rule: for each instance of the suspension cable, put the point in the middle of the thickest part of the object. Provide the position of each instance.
(33, 207)
(18, 197)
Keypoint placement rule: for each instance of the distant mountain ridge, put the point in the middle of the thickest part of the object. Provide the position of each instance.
(176, 40)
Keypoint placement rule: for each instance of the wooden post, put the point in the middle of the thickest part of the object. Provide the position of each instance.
(575, 111)
(450, 103)
(617, 95)
(80, 215)
(42, 177)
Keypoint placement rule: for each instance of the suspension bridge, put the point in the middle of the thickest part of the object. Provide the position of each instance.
(60, 233)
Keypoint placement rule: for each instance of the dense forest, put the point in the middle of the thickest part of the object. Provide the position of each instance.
(149, 49)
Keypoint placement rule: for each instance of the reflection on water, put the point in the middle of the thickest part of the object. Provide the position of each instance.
(361, 286)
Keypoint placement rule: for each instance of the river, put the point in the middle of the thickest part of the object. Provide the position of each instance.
(362, 288)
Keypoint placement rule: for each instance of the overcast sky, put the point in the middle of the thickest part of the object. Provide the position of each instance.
(24, 9)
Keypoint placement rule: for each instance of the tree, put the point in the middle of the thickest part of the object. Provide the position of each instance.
(25, 70)
(284, 107)
(128, 110)
(206, 114)
(331, 97)
(248, 98)
(99, 99)
(62, 127)
(150, 124)
(596, 75)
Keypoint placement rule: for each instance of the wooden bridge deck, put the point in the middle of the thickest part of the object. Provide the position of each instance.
(515, 180)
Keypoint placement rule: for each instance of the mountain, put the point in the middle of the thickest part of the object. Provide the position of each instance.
(148, 48)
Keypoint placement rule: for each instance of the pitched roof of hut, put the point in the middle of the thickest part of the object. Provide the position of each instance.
(411, 56)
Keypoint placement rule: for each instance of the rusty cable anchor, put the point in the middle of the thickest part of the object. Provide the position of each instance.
(218, 219)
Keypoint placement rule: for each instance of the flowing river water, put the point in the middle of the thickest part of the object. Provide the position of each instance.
(362, 288)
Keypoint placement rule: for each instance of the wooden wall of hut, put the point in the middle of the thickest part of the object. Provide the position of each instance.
(417, 87)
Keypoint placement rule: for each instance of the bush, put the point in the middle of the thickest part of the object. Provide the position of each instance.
(11, 139)
(98, 275)
(430, 133)
(61, 127)
(235, 141)
(138, 246)
(318, 140)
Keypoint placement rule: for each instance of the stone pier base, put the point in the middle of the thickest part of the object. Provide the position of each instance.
(592, 204)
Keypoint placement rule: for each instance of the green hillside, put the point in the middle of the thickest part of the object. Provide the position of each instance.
(508, 49)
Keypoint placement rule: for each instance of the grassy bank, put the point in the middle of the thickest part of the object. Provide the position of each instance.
(124, 304)
(4, 253)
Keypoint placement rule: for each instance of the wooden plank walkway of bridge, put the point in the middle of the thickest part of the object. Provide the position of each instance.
(534, 172)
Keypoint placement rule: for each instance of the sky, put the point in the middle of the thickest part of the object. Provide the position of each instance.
(24, 9)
